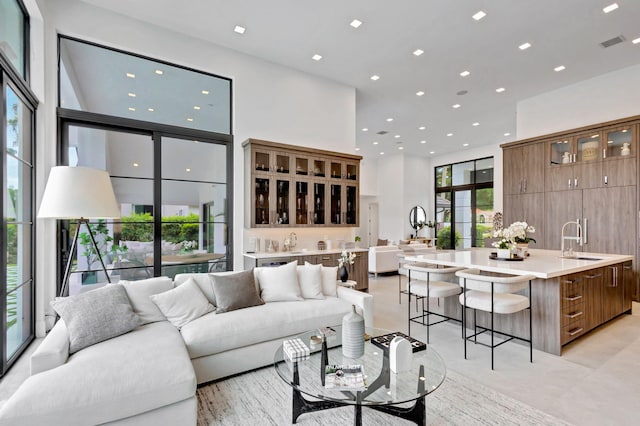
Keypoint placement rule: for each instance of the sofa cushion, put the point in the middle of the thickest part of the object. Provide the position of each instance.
(279, 284)
(212, 334)
(235, 291)
(139, 292)
(330, 281)
(183, 303)
(96, 315)
(310, 280)
(204, 281)
(137, 372)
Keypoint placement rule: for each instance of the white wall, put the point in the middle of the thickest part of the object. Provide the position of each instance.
(270, 102)
(607, 97)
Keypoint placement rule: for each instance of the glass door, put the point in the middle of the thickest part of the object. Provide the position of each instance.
(302, 203)
(336, 201)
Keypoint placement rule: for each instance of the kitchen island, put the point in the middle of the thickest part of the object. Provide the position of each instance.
(569, 296)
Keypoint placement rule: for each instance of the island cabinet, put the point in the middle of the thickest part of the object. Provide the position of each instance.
(293, 186)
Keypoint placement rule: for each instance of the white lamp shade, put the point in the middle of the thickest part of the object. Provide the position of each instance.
(78, 192)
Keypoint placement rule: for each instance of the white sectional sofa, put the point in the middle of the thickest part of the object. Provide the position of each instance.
(148, 376)
(383, 259)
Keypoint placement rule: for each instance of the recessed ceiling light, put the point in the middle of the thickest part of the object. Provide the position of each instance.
(375, 143)
(624, 131)
(375, 77)
(135, 164)
(610, 142)
(635, 40)
(205, 92)
(418, 52)
(150, 109)
(423, 142)
(132, 95)
(389, 119)
(610, 8)
(420, 93)
(401, 147)
(524, 46)
(507, 134)
(132, 109)
(196, 107)
(316, 57)
(464, 73)
(432, 152)
(479, 15)
(239, 29)
(500, 89)
(382, 153)
(131, 75)
(421, 128)
(187, 170)
(355, 23)
(357, 149)
(476, 124)
(456, 106)
(159, 72)
(559, 68)
(364, 129)
(189, 119)
(594, 136)
(397, 136)
(449, 134)
(465, 144)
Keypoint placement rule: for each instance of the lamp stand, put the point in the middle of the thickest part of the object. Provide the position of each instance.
(67, 270)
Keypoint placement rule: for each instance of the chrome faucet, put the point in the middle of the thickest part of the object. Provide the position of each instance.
(568, 252)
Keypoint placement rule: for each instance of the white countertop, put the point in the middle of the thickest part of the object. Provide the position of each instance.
(541, 263)
(298, 253)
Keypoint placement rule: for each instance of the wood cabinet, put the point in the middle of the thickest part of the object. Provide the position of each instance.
(572, 308)
(528, 208)
(592, 284)
(525, 167)
(291, 186)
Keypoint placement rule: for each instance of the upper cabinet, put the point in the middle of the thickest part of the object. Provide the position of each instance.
(525, 166)
(288, 186)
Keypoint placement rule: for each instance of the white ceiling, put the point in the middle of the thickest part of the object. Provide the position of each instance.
(290, 32)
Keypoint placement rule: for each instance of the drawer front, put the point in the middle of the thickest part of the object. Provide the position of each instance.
(571, 313)
(572, 331)
(572, 292)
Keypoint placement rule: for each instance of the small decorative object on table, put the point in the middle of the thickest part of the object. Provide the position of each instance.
(346, 258)
(515, 234)
(353, 335)
(384, 341)
(345, 377)
(295, 350)
(400, 355)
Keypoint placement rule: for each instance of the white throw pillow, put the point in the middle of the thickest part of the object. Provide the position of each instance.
(279, 284)
(138, 293)
(310, 280)
(329, 280)
(204, 281)
(183, 304)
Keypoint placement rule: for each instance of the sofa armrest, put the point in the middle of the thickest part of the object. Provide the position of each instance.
(53, 351)
(362, 300)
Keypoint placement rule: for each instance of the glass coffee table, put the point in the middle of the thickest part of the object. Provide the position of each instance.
(385, 389)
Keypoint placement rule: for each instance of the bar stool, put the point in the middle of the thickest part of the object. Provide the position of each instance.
(493, 294)
(402, 272)
(424, 283)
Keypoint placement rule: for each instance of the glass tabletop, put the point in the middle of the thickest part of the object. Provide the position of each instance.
(426, 374)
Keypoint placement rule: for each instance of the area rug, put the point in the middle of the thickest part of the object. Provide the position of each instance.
(261, 398)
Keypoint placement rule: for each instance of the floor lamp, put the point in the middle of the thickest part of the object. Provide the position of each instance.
(82, 194)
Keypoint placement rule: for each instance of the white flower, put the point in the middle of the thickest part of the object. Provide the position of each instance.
(346, 258)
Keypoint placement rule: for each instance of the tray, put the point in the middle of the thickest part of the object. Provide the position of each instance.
(494, 256)
(384, 341)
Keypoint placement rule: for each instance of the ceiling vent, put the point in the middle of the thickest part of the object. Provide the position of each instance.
(382, 132)
(462, 92)
(613, 41)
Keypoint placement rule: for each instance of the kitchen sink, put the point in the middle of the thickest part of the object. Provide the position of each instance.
(588, 258)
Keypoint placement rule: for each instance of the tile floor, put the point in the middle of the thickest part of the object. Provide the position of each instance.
(595, 382)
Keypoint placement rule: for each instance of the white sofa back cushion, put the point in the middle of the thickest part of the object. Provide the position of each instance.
(139, 292)
(329, 280)
(310, 280)
(279, 284)
(183, 303)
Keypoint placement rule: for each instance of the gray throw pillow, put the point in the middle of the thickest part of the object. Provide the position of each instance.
(235, 291)
(96, 315)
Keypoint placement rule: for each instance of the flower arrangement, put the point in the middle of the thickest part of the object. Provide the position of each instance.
(346, 258)
(516, 233)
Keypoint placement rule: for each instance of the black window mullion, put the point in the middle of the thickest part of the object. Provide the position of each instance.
(157, 204)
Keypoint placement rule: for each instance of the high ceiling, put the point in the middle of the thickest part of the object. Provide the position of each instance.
(289, 32)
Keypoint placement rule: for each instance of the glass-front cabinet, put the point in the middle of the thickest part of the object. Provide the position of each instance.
(292, 186)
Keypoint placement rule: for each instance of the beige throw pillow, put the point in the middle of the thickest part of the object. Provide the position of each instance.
(182, 304)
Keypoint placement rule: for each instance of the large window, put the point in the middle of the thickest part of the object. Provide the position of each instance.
(149, 124)
(17, 110)
(464, 203)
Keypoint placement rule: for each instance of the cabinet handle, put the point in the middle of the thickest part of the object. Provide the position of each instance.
(569, 183)
(606, 180)
(326, 258)
(574, 157)
(575, 182)
(604, 153)
(570, 281)
(574, 298)
(627, 267)
(614, 283)
(574, 314)
(593, 276)
(575, 331)
(520, 185)
(525, 185)
(585, 231)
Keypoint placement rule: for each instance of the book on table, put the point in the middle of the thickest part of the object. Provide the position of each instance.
(384, 341)
(345, 377)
